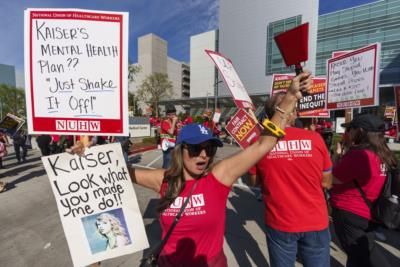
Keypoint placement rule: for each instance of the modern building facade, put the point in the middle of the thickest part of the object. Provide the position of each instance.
(7, 75)
(246, 34)
(153, 58)
(202, 70)
(353, 28)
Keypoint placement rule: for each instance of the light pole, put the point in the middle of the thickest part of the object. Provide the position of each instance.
(208, 93)
(216, 92)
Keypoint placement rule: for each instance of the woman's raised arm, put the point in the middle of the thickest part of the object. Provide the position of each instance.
(152, 179)
(229, 170)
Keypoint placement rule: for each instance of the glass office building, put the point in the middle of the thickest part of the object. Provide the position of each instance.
(7, 75)
(360, 26)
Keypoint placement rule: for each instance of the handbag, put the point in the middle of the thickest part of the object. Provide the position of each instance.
(386, 209)
(151, 260)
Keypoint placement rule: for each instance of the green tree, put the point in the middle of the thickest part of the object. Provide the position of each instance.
(133, 104)
(154, 88)
(12, 100)
(133, 70)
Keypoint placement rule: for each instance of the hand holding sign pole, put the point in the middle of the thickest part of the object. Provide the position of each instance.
(294, 54)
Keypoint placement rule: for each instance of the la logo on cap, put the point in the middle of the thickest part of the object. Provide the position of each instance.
(203, 129)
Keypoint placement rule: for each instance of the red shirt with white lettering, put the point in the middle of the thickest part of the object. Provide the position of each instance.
(291, 176)
(199, 234)
(364, 166)
(165, 126)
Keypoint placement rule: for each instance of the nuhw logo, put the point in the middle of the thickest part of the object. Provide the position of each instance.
(293, 145)
(194, 201)
(78, 125)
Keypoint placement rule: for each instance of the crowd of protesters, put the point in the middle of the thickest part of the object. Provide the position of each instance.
(295, 171)
(302, 191)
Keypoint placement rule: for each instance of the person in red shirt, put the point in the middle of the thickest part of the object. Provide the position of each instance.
(293, 176)
(366, 161)
(168, 133)
(188, 119)
(198, 237)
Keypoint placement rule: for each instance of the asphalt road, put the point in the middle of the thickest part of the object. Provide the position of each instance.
(31, 233)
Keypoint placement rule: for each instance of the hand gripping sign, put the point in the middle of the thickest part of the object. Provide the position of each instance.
(97, 204)
(76, 71)
(311, 105)
(232, 80)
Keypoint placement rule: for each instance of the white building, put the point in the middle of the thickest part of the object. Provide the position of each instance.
(246, 37)
(202, 68)
(153, 58)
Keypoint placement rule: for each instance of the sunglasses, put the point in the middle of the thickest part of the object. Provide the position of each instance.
(195, 150)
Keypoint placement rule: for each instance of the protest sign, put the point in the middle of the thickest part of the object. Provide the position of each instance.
(340, 53)
(92, 192)
(339, 122)
(232, 80)
(76, 71)
(243, 128)
(11, 123)
(313, 104)
(353, 78)
(281, 83)
(217, 116)
(390, 112)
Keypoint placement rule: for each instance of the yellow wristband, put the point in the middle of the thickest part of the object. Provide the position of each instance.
(273, 128)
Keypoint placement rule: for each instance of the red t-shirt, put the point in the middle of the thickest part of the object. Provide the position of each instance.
(199, 234)
(291, 176)
(365, 166)
(165, 126)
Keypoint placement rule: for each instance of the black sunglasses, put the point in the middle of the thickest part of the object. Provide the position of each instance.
(195, 150)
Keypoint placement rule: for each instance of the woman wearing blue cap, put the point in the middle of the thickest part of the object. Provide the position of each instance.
(197, 239)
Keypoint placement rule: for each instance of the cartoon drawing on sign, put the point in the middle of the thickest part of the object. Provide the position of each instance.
(106, 230)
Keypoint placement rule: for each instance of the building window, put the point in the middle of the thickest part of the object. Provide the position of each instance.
(274, 61)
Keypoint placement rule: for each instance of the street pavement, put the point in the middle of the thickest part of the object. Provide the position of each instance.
(31, 233)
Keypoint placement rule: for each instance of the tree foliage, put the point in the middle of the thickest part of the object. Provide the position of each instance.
(133, 104)
(133, 70)
(12, 100)
(154, 88)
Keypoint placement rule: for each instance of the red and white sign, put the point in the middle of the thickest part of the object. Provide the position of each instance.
(310, 106)
(313, 104)
(76, 71)
(281, 83)
(232, 80)
(353, 78)
(340, 53)
(217, 116)
(243, 128)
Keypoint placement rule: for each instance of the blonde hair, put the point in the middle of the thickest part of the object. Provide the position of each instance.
(116, 226)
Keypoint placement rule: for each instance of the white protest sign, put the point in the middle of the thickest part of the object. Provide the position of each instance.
(97, 204)
(76, 71)
(216, 117)
(232, 80)
(339, 122)
(353, 78)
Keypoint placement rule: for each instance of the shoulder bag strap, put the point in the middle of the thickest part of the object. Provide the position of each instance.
(178, 216)
(367, 201)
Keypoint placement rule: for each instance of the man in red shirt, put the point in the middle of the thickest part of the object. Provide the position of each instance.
(292, 178)
(168, 133)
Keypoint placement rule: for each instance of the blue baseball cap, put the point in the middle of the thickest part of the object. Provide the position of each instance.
(195, 133)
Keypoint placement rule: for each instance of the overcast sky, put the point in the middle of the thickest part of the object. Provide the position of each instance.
(173, 20)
